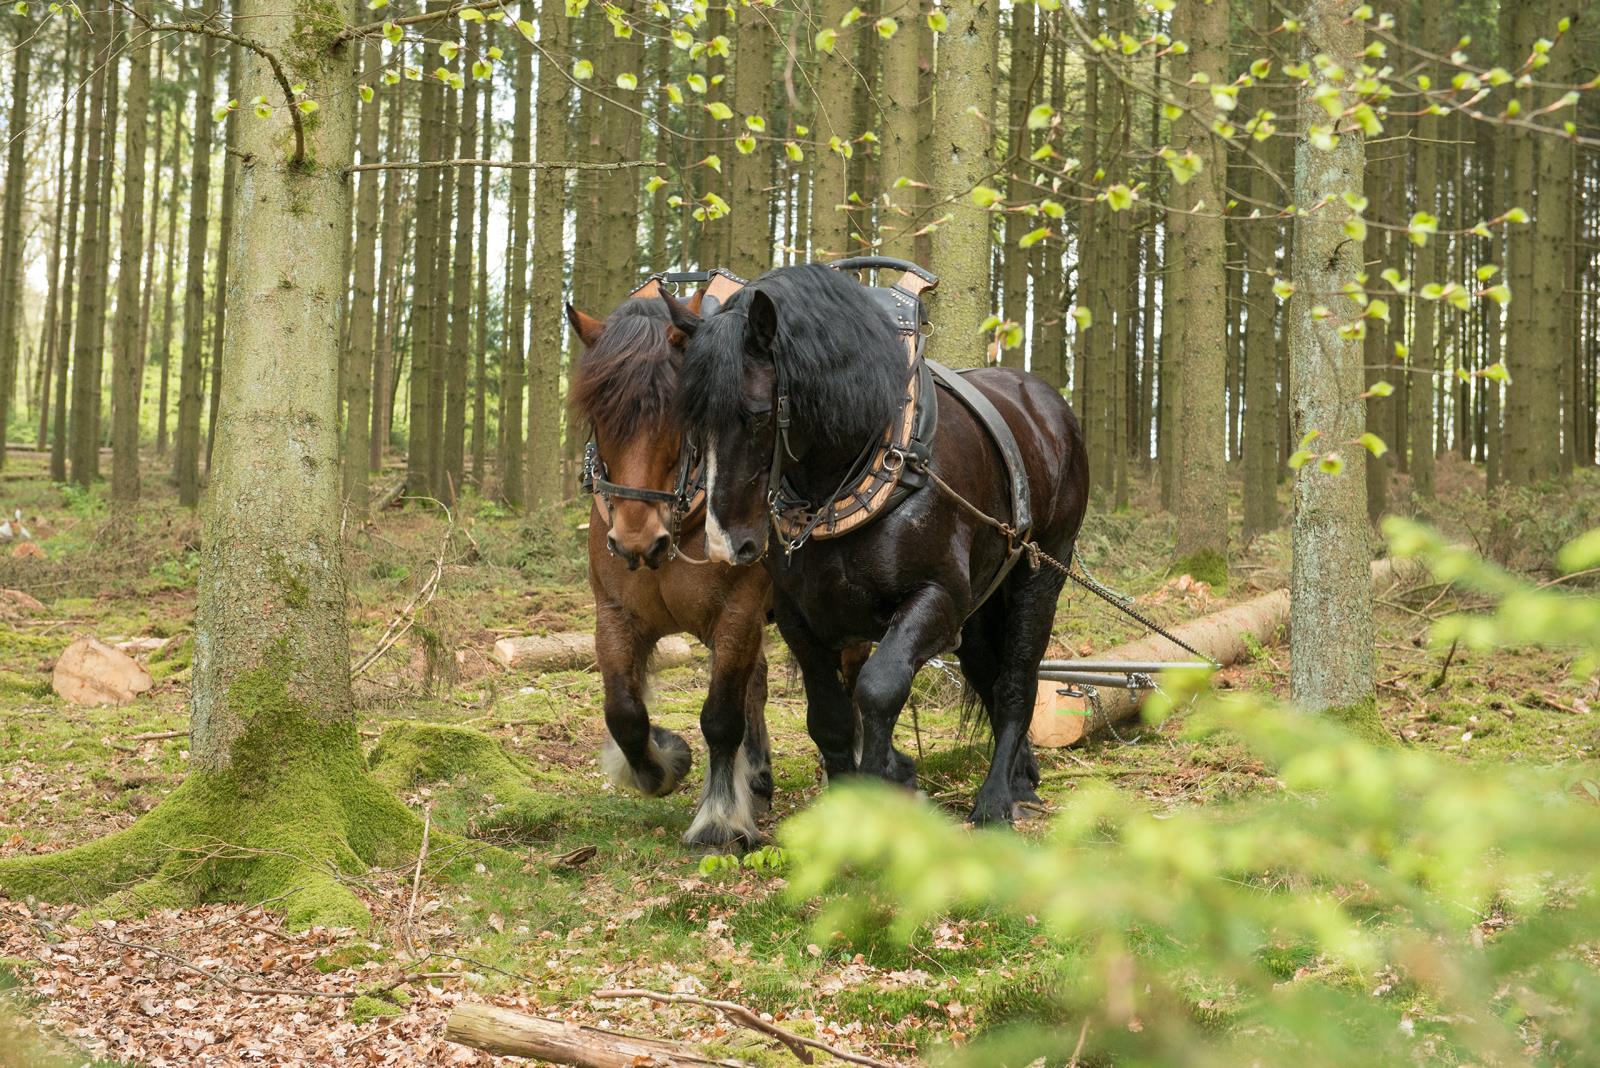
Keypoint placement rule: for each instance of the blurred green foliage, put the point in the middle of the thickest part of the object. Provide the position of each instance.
(1384, 906)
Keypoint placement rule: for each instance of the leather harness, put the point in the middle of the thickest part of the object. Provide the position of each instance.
(890, 467)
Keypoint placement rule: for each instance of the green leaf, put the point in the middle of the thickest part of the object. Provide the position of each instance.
(448, 50)
(393, 34)
(1040, 116)
(583, 70)
(1379, 389)
(227, 109)
(719, 111)
(1421, 226)
(307, 106)
(1052, 209)
(887, 27)
(1119, 197)
(1500, 294)
(851, 17)
(985, 197)
(1580, 554)
(1496, 372)
(525, 28)
(745, 144)
(697, 82)
(713, 161)
(1378, 308)
(654, 182)
(825, 39)
(1300, 459)
(755, 123)
(471, 14)
(674, 94)
(1516, 215)
(1331, 464)
(1083, 317)
(1033, 237)
(366, 95)
(1372, 443)
(938, 21)
(793, 151)
(1282, 288)
(377, 5)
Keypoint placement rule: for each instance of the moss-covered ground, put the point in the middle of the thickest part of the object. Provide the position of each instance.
(553, 883)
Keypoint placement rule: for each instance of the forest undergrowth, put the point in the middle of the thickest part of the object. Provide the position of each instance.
(544, 884)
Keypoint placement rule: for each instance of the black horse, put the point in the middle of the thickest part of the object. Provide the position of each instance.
(911, 580)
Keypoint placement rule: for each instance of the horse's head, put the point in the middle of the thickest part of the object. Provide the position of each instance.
(624, 388)
(729, 356)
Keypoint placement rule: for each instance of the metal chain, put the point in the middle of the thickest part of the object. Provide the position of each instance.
(1036, 554)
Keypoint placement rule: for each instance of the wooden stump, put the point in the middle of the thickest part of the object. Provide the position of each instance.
(514, 1034)
(575, 652)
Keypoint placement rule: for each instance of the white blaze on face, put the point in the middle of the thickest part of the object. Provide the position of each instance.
(719, 546)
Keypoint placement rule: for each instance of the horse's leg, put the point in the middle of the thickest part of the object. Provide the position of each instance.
(1029, 612)
(637, 756)
(830, 715)
(725, 818)
(980, 665)
(902, 769)
(757, 747)
(925, 623)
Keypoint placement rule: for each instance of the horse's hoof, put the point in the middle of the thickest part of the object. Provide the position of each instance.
(718, 841)
(667, 761)
(989, 811)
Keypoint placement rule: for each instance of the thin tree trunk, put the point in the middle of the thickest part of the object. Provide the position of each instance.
(832, 136)
(391, 277)
(169, 284)
(751, 252)
(423, 288)
(512, 480)
(59, 239)
(69, 277)
(358, 378)
(1331, 594)
(11, 224)
(965, 73)
(128, 350)
(455, 414)
(186, 463)
(481, 349)
(1201, 345)
(219, 284)
(91, 296)
(1424, 357)
(543, 472)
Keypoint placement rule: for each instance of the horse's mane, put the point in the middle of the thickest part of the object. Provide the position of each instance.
(626, 383)
(845, 363)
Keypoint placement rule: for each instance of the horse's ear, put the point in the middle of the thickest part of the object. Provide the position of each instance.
(587, 327)
(763, 325)
(685, 321)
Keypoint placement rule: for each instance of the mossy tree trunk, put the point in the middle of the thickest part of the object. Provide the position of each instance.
(278, 798)
(964, 79)
(1331, 592)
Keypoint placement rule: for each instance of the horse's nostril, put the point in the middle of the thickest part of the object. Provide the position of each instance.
(658, 550)
(747, 553)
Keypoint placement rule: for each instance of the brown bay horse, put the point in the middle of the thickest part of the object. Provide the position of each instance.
(650, 579)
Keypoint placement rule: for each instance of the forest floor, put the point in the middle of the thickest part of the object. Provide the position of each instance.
(594, 890)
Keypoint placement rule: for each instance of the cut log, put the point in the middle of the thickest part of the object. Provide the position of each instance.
(514, 1034)
(575, 652)
(90, 672)
(1224, 636)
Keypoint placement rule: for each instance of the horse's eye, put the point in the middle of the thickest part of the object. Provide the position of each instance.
(756, 418)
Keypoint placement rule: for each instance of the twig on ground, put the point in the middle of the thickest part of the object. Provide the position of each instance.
(738, 1014)
(416, 878)
(156, 736)
(408, 615)
(1444, 668)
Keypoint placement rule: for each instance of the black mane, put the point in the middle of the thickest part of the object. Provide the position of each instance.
(845, 363)
(626, 383)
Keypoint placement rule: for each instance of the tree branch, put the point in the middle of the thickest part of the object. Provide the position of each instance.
(370, 28)
(204, 28)
(436, 164)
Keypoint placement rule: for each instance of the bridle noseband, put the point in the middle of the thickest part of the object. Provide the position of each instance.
(679, 500)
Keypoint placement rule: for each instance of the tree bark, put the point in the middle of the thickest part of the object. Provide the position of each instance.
(515, 372)
(88, 334)
(1199, 278)
(461, 278)
(543, 458)
(186, 459)
(480, 429)
(11, 224)
(425, 263)
(391, 276)
(752, 78)
(69, 278)
(127, 352)
(515, 1034)
(358, 379)
(169, 282)
(219, 283)
(1331, 595)
(963, 74)
(835, 100)
(1019, 98)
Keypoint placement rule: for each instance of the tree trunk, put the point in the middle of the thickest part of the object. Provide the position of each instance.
(169, 282)
(543, 472)
(186, 460)
(480, 387)
(517, 363)
(127, 352)
(54, 312)
(425, 261)
(391, 276)
(1530, 401)
(1019, 98)
(87, 336)
(751, 253)
(440, 359)
(964, 74)
(1551, 237)
(69, 278)
(358, 378)
(219, 283)
(1199, 278)
(11, 223)
(832, 137)
(455, 412)
(1423, 362)
(1331, 595)
(902, 100)
(277, 771)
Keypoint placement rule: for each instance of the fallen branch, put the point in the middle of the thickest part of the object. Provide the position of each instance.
(738, 1014)
(509, 165)
(514, 1034)
(158, 736)
(388, 496)
(416, 878)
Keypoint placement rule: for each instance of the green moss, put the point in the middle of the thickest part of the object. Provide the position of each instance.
(1363, 720)
(410, 754)
(1209, 566)
(293, 816)
(369, 1007)
(351, 956)
(173, 660)
(295, 592)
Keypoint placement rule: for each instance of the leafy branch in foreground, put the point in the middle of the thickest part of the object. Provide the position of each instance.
(1384, 906)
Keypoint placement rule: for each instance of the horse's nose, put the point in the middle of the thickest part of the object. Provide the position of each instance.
(747, 553)
(616, 548)
(657, 553)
